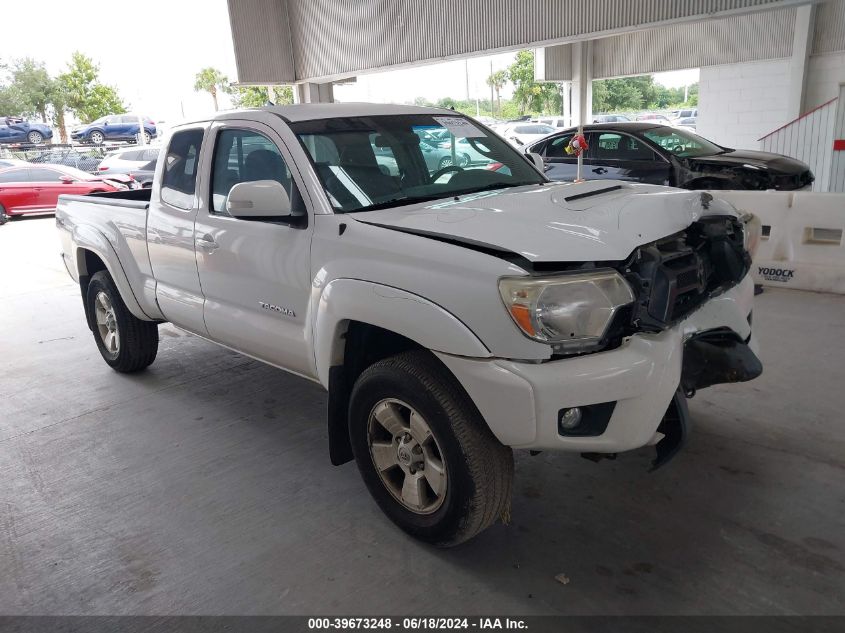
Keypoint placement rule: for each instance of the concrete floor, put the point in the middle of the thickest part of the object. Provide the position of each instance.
(203, 486)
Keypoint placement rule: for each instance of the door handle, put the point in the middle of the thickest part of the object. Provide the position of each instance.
(207, 243)
(600, 170)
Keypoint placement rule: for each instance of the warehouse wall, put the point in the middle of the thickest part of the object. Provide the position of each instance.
(739, 103)
(824, 74)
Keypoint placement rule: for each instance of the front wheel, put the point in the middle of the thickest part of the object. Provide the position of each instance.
(3, 217)
(147, 138)
(126, 343)
(97, 137)
(36, 138)
(425, 453)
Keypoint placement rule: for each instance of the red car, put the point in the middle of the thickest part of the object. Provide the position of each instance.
(29, 189)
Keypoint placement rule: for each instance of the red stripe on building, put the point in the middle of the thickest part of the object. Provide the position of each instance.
(839, 145)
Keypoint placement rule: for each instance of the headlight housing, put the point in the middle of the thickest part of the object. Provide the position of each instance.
(752, 232)
(571, 312)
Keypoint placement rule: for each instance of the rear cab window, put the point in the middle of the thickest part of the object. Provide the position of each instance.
(181, 162)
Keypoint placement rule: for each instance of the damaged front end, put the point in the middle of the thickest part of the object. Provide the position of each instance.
(672, 278)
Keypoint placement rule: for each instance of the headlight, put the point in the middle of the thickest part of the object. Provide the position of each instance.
(571, 312)
(752, 231)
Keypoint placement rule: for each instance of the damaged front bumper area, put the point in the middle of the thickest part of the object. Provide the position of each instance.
(689, 329)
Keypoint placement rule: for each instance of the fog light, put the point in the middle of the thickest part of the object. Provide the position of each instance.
(570, 418)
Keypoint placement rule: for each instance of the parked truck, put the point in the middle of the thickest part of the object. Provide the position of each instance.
(453, 314)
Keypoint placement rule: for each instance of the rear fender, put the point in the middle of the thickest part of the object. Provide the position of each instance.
(86, 238)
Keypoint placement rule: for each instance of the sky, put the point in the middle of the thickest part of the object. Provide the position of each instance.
(153, 66)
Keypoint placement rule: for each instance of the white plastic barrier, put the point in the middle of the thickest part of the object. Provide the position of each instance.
(802, 245)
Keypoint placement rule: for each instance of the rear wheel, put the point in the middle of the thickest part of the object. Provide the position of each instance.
(97, 137)
(36, 138)
(446, 161)
(126, 343)
(425, 453)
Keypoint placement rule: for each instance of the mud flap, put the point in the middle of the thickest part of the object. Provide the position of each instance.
(675, 427)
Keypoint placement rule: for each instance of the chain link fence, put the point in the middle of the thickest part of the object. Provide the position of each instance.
(86, 158)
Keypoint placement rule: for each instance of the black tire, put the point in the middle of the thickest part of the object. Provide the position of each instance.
(479, 469)
(36, 138)
(98, 135)
(446, 161)
(3, 217)
(138, 340)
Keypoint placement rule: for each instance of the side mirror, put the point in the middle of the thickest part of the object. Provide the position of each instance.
(66, 179)
(537, 161)
(258, 199)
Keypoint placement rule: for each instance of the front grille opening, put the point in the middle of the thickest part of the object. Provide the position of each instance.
(674, 276)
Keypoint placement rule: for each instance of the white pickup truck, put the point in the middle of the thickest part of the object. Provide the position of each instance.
(453, 313)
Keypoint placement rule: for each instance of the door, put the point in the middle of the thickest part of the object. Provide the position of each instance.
(170, 231)
(47, 185)
(617, 156)
(112, 128)
(255, 273)
(559, 164)
(129, 126)
(16, 192)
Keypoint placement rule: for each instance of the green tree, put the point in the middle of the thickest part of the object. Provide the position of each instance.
(260, 96)
(497, 81)
(11, 102)
(530, 95)
(213, 82)
(34, 87)
(83, 94)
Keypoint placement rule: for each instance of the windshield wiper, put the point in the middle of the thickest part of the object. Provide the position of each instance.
(396, 202)
(489, 187)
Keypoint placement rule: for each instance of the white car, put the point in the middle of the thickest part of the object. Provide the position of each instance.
(525, 132)
(126, 160)
(453, 314)
(555, 122)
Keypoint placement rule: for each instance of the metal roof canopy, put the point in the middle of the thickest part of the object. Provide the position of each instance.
(292, 41)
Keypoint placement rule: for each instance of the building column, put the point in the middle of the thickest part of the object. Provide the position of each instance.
(313, 93)
(582, 83)
(802, 47)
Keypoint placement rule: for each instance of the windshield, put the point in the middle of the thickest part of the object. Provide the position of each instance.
(682, 143)
(378, 161)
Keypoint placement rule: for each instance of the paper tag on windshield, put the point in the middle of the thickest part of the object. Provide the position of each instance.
(459, 127)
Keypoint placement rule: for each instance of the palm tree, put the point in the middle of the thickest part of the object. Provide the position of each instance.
(497, 81)
(211, 80)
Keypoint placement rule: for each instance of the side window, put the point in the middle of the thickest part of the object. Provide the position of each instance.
(556, 148)
(15, 175)
(246, 156)
(634, 149)
(604, 146)
(39, 174)
(179, 180)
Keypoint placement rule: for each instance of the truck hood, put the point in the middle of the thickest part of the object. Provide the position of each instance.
(563, 222)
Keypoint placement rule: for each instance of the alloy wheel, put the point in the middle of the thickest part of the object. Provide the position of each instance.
(406, 456)
(107, 323)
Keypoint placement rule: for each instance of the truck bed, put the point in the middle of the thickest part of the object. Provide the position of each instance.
(132, 198)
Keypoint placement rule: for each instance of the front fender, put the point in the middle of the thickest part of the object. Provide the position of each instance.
(412, 316)
(86, 238)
